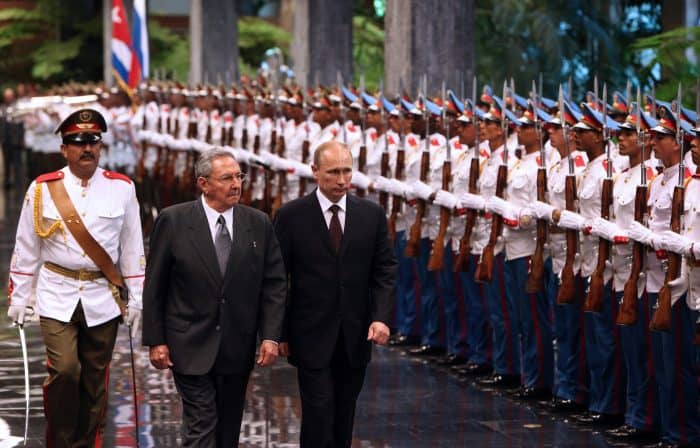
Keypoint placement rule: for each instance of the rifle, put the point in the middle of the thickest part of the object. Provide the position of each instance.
(437, 255)
(282, 175)
(247, 194)
(661, 321)
(384, 163)
(362, 156)
(141, 166)
(535, 278)
(169, 170)
(567, 289)
(187, 180)
(462, 261)
(397, 200)
(627, 314)
(413, 244)
(484, 270)
(596, 287)
(268, 173)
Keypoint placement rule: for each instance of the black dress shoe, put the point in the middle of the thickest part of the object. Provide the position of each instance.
(472, 369)
(531, 393)
(630, 434)
(451, 360)
(562, 406)
(426, 350)
(500, 381)
(402, 340)
(599, 420)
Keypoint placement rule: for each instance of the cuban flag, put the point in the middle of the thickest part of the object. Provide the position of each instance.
(125, 65)
(139, 37)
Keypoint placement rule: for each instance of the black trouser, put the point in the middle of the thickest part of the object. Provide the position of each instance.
(328, 398)
(212, 408)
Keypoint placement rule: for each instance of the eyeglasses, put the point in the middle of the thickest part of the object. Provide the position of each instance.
(230, 178)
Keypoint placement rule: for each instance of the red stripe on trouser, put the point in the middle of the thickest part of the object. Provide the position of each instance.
(650, 363)
(677, 331)
(618, 358)
(504, 307)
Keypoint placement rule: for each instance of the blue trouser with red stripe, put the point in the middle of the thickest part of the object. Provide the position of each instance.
(478, 328)
(504, 321)
(672, 355)
(605, 364)
(429, 309)
(642, 397)
(454, 335)
(537, 352)
(405, 288)
(571, 372)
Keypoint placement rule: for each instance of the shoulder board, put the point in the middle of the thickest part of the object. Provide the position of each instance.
(578, 161)
(114, 175)
(687, 173)
(48, 177)
(651, 174)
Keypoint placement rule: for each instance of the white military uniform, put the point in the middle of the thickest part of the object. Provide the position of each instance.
(110, 212)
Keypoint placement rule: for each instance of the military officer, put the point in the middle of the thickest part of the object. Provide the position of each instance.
(79, 308)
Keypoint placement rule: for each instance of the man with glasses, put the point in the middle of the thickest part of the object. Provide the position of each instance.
(76, 298)
(215, 282)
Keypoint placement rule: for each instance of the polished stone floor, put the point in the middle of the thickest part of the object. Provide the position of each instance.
(405, 403)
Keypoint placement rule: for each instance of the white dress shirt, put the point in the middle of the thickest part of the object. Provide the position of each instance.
(326, 205)
(213, 216)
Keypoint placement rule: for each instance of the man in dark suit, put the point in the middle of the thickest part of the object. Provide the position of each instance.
(215, 280)
(342, 273)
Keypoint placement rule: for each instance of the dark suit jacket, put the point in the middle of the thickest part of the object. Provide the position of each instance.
(202, 317)
(330, 291)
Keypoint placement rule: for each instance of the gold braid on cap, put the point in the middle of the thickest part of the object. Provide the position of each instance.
(58, 225)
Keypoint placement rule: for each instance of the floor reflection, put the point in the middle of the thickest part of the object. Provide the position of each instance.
(404, 404)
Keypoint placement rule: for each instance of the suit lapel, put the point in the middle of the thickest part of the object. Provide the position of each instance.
(240, 239)
(350, 212)
(200, 236)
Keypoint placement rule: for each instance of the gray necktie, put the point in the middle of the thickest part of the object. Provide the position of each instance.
(222, 243)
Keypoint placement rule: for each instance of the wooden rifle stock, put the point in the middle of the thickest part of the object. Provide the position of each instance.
(661, 321)
(627, 314)
(596, 287)
(567, 289)
(462, 261)
(535, 278)
(361, 167)
(484, 271)
(413, 244)
(281, 178)
(436, 262)
(396, 200)
(140, 171)
(384, 171)
(187, 180)
(305, 149)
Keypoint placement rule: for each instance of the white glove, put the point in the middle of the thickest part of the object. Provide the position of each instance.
(602, 228)
(399, 188)
(16, 313)
(381, 183)
(673, 242)
(472, 201)
(542, 210)
(420, 189)
(500, 207)
(301, 169)
(678, 286)
(446, 199)
(638, 232)
(133, 319)
(571, 220)
(360, 180)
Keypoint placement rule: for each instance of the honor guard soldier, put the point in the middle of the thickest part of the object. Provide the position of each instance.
(502, 313)
(642, 411)
(570, 373)
(73, 243)
(672, 348)
(605, 364)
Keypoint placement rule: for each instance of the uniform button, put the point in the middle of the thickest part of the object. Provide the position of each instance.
(84, 213)
(84, 254)
(84, 193)
(81, 288)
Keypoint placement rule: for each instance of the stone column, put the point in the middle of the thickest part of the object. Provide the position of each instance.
(322, 42)
(431, 37)
(213, 40)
